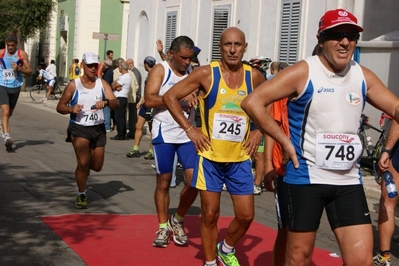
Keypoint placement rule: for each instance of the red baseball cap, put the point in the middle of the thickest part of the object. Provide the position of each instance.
(333, 18)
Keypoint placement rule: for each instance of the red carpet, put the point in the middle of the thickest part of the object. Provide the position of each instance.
(109, 239)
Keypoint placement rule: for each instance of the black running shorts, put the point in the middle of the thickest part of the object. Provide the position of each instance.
(95, 134)
(9, 96)
(344, 205)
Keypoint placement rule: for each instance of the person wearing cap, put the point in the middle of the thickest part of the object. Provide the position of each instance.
(14, 64)
(327, 93)
(84, 99)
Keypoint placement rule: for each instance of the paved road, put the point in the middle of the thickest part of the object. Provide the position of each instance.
(38, 179)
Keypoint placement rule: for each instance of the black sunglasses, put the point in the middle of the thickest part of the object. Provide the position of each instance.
(337, 36)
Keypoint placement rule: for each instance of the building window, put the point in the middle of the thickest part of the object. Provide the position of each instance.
(171, 24)
(289, 31)
(221, 21)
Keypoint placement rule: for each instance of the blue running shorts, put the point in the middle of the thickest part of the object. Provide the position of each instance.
(210, 176)
(164, 154)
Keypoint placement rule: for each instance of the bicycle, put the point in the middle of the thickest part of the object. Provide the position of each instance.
(373, 153)
(39, 91)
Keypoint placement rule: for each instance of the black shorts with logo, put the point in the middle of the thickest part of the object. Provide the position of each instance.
(95, 134)
(304, 205)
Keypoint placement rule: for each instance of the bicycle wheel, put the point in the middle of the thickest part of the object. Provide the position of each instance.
(376, 158)
(57, 91)
(38, 92)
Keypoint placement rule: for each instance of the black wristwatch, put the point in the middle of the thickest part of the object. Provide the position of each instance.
(386, 150)
(107, 100)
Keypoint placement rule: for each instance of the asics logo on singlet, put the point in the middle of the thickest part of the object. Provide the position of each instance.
(171, 83)
(84, 92)
(325, 90)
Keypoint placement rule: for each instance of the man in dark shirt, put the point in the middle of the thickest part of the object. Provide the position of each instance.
(108, 76)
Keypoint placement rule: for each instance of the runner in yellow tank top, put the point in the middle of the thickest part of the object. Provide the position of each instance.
(224, 122)
(224, 143)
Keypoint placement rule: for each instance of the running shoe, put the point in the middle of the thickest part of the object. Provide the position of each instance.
(257, 190)
(81, 201)
(228, 259)
(133, 153)
(149, 156)
(380, 260)
(162, 239)
(179, 236)
(9, 142)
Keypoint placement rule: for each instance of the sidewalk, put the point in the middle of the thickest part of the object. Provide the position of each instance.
(371, 188)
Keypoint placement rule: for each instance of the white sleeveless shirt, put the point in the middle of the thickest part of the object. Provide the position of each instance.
(164, 128)
(324, 121)
(88, 98)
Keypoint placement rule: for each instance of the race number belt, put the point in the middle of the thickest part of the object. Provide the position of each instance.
(337, 151)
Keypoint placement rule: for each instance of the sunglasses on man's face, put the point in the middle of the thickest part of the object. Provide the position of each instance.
(95, 65)
(337, 36)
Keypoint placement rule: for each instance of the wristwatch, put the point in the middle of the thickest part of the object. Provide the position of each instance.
(386, 150)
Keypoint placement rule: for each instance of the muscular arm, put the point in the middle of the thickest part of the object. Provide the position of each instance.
(199, 78)
(62, 106)
(154, 83)
(288, 83)
(379, 96)
(393, 137)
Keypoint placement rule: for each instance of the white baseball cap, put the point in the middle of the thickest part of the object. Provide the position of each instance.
(90, 58)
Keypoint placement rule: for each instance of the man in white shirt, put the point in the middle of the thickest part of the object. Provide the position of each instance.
(49, 80)
(52, 68)
(121, 87)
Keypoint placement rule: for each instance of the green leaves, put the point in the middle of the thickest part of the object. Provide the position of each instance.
(25, 16)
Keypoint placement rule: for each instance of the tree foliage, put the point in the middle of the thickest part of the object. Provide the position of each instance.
(26, 17)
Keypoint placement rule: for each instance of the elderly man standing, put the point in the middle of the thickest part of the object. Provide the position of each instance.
(224, 143)
(121, 87)
(134, 98)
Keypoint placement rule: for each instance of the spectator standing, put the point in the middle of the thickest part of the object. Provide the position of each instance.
(52, 68)
(322, 90)
(121, 87)
(134, 98)
(75, 69)
(223, 156)
(145, 115)
(169, 138)
(108, 76)
(110, 55)
(274, 69)
(260, 63)
(14, 64)
(88, 136)
(389, 161)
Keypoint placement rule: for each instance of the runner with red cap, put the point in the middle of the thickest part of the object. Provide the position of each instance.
(326, 96)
